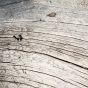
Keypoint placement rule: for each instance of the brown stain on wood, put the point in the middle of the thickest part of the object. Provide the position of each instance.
(52, 14)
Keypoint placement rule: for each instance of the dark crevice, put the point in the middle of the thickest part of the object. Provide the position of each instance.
(58, 35)
(80, 83)
(54, 35)
(82, 77)
(78, 71)
(29, 80)
(48, 41)
(11, 3)
(56, 42)
(54, 77)
(59, 48)
(46, 21)
(51, 76)
(74, 24)
(62, 49)
(5, 37)
(18, 83)
(49, 56)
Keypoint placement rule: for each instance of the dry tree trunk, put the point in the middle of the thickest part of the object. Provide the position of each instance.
(43, 44)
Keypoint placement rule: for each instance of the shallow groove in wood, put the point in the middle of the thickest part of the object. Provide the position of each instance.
(49, 56)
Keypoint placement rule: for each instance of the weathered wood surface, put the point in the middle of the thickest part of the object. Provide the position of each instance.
(54, 50)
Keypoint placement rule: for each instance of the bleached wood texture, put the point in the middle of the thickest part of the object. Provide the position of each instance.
(54, 50)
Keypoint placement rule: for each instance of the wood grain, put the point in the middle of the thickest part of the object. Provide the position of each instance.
(53, 51)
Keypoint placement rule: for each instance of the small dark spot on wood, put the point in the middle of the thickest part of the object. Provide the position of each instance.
(53, 14)
(16, 37)
(19, 37)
